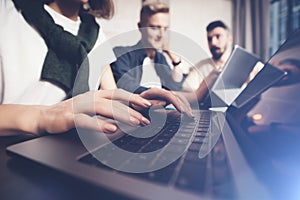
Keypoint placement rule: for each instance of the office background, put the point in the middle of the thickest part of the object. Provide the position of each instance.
(260, 26)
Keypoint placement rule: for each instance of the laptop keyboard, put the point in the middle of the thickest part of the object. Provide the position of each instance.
(189, 172)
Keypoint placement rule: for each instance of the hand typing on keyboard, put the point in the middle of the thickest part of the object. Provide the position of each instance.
(164, 97)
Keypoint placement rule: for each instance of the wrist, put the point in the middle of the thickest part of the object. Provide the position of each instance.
(28, 119)
(41, 119)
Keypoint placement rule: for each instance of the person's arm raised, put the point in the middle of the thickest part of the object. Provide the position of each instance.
(177, 74)
(203, 89)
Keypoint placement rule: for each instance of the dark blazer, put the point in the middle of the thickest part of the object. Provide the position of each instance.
(127, 69)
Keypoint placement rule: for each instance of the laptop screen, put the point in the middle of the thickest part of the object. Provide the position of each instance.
(280, 103)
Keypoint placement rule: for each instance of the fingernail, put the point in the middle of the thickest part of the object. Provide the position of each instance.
(183, 109)
(110, 128)
(145, 121)
(191, 112)
(148, 103)
(162, 103)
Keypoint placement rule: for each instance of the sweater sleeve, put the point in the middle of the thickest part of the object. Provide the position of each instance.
(127, 74)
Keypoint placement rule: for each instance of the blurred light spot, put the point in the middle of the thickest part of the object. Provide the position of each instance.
(257, 117)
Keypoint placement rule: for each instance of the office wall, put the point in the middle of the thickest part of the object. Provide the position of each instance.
(125, 19)
(188, 17)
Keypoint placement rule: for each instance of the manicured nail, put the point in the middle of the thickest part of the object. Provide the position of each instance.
(148, 103)
(145, 121)
(110, 128)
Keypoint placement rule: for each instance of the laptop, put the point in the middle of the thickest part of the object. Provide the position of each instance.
(234, 77)
(192, 159)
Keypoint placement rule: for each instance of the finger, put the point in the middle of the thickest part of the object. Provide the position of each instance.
(137, 100)
(180, 103)
(153, 103)
(122, 95)
(176, 101)
(118, 111)
(131, 98)
(158, 102)
(156, 93)
(128, 115)
(94, 123)
(185, 103)
(94, 103)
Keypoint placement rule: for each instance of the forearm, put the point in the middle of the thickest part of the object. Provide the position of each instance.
(201, 92)
(78, 112)
(177, 74)
(107, 79)
(17, 119)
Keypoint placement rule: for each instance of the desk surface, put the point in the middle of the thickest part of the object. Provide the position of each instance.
(22, 179)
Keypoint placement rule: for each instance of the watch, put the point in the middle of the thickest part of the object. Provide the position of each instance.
(176, 63)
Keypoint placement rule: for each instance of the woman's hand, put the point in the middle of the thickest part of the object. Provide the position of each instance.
(81, 111)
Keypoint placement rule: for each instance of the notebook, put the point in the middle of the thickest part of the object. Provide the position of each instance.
(174, 158)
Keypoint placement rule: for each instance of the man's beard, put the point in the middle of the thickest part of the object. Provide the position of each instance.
(215, 54)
